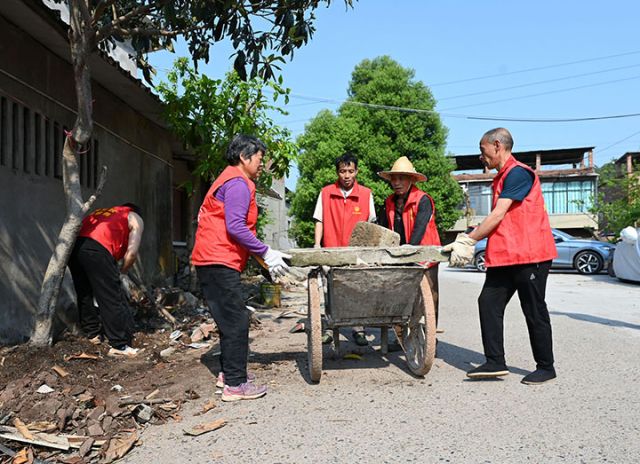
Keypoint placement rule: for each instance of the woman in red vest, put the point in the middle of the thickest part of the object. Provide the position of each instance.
(519, 252)
(412, 214)
(225, 238)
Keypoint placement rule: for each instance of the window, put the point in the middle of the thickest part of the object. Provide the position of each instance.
(568, 197)
(479, 198)
(27, 141)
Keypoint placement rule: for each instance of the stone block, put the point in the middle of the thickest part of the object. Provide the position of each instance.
(366, 234)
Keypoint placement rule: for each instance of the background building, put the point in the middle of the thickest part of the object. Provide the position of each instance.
(569, 185)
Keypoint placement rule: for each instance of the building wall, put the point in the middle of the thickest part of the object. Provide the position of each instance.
(136, 152)
(276, 232)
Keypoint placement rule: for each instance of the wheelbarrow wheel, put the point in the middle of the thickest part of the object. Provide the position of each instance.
(314, 330)
(419, 334)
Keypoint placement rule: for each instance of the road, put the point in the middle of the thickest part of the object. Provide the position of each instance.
(373, 410)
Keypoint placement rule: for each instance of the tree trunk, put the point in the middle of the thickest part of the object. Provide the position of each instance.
(81, 38)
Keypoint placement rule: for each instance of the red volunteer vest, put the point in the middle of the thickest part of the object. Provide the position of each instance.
(340, 214)
(213, 245)
(110, 228)
(524, 235)
(431, 236)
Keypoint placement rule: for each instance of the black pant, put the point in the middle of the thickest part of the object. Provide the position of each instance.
(530, 281)
(222, 289)
(95, 274)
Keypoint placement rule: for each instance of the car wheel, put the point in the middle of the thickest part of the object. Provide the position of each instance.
(588, 262)
(478, 262)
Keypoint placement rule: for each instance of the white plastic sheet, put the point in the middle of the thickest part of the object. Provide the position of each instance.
(626, 259)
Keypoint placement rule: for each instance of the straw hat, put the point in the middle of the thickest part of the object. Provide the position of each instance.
(403, 166)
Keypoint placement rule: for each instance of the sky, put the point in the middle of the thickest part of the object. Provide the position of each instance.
(544, 60)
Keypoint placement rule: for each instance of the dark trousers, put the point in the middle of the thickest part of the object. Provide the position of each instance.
(530, 281)
(95, 274)
(222, 289)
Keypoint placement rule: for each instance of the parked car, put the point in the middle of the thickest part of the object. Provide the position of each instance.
(585, 256)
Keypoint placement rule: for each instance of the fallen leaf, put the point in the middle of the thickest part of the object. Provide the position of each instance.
(168, 406)
(204, 428)
(24, 456)
(119, 446)
(42, 426)
(60, 371)
(82, 355)
(357, 357)
(22, 429)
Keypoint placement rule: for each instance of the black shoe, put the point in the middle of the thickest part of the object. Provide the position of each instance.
(488, 371)
(539, 376)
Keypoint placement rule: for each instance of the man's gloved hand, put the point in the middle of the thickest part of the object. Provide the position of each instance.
(274, 260)
(462, 250)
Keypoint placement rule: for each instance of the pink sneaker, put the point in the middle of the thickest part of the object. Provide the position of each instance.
(244, 391)
(251, 377)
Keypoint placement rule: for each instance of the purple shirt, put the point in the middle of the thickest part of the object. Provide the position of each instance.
(236, 196)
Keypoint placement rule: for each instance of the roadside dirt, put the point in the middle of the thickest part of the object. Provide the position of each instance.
(97, 398)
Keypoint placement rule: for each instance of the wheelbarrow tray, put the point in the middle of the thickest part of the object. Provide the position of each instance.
(380, 295)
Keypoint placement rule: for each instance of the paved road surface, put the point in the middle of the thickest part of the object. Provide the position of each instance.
(374, 411)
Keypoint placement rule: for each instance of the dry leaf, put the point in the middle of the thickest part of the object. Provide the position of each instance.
(82, 355)
(119, 446)
(355, 356)
(22, 429)
(60, 371)
(204, 428)
(22, 457)
(42, 426)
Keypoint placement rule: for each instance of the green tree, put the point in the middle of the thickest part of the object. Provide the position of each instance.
(618, 203)
(262, 33)
(388, 114)
(206, 113)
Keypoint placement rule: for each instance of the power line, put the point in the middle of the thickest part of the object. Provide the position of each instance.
(539, 68)
(543, 93)
(461, 116)
(619, 142)
(519, 86)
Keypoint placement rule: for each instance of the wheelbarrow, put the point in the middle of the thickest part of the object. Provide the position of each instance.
(373, 296)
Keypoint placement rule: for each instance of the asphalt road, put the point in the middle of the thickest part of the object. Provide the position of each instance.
(373, 410)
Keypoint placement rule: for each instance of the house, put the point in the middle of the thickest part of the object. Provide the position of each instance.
(569, 185)
(625, 164)
(37, 102)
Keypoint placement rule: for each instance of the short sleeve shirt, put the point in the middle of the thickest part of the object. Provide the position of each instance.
(517, 184)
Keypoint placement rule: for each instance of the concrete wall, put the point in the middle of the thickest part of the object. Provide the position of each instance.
(276, 232)
(135, 150)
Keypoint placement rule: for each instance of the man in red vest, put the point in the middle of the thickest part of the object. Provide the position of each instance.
(225, 238)
(412, 214)
(339, 207)
(519, 252)
(107, 236)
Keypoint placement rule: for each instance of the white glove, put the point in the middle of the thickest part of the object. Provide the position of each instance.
(274, 260)
(462, 250)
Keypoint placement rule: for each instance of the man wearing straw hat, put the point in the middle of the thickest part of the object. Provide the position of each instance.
(412, 214)
(340, 206)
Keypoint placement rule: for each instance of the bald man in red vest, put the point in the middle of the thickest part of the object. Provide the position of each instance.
(340, 206)
(519, 252)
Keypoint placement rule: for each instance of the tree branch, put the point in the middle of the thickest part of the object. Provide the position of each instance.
(102, 179)
(100, 9)
(106, 30)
